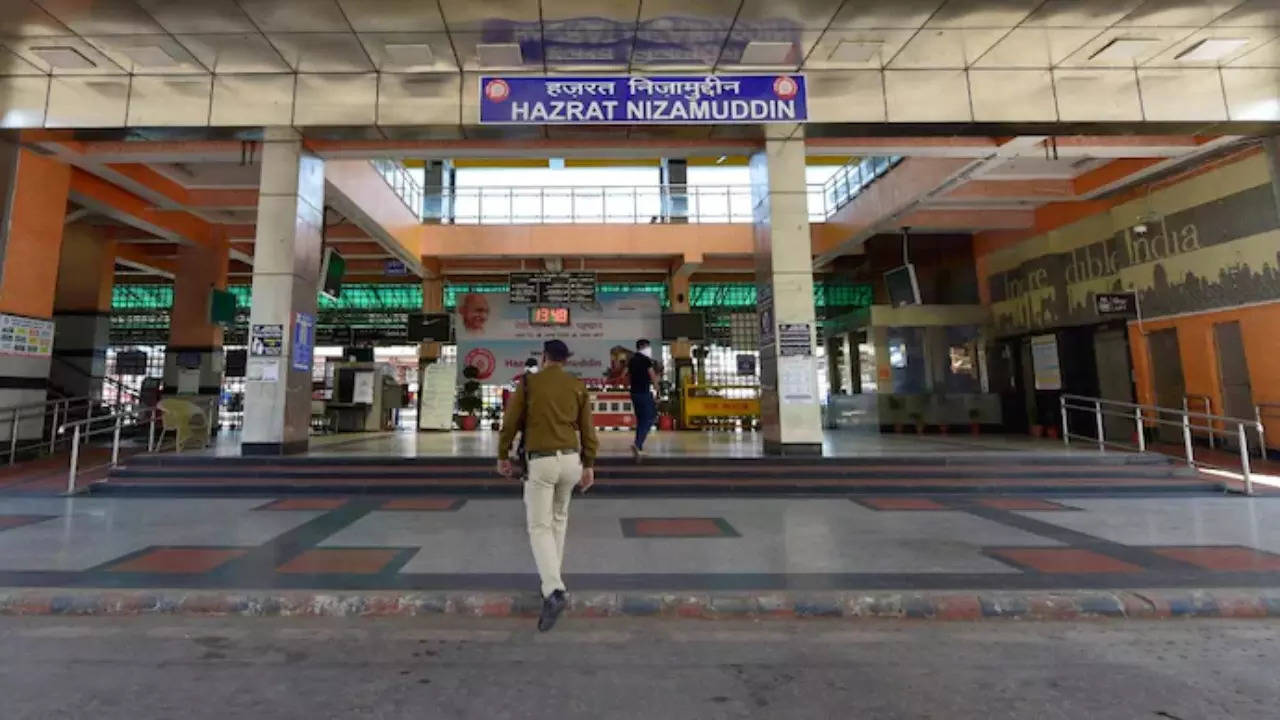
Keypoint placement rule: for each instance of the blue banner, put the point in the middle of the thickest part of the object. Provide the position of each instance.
(635, 100)
(304, 341)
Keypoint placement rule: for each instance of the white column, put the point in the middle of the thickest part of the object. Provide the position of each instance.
(791, 413)
(286, 270)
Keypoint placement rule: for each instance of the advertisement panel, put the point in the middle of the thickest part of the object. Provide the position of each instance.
(497, 338)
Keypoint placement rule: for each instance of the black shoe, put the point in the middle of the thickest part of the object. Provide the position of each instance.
(551, 608)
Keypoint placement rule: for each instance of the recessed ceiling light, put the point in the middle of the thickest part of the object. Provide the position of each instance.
(1124, 49)
(760, 52)
(856, 51)
(1212, 49)
(493, 55)
(151, 56)
(409, 54)
(63, 57)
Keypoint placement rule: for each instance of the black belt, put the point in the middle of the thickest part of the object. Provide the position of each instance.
(535, 454)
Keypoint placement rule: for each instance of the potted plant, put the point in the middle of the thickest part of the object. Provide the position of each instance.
(918, 418)
(469, 402)
(494, 414)
(975, 426)
(895, 411)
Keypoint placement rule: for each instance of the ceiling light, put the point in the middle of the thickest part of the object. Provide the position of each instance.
(63, 57)
(410, 55)
(493, 55)
(759, 52)
(720, 160)
(151, 56)
(856, 51)
(1212, 49)
(1124, 49)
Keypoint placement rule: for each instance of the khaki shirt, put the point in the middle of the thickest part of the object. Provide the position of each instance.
(559, 415)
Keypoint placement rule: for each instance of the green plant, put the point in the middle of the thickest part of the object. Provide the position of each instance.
(469, 401)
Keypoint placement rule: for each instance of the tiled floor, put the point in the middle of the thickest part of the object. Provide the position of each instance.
(702, 543)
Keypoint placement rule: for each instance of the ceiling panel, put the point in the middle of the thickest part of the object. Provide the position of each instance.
(1267, 56)
(786, 14)
(468, 56)
(11, 64)
(658, 49)
(391, 60)
(393, 15)
(102, 17)
(490, 16)
(600, 42)
(1081, 13)
(619, 11)
(322, 52)
(296, 16)
(950, 48)
(234, 54)
(879, 45)
(23, 18)
(885, 14)
(801, 42)
(1177, 13)
(205, 16)
(1256, 13)
(102, 65)
(1163, 37)
(982, 13)
(682, 15)
(149, 54)
(1257, 37)
(210, 174)
(1036, 47)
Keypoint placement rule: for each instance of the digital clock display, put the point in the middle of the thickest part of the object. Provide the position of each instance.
(548, 316)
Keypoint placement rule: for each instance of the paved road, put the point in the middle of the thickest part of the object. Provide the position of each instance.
(171, 668)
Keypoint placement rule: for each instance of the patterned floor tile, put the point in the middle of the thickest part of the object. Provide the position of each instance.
(177, 560)
(1023, 504)
(901, 503)
(1224, 559)
(1062, 560)
(427, 504)
(305, 503)
(356, 561)
(677, 527)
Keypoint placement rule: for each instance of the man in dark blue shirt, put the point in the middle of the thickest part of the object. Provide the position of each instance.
(644, 379)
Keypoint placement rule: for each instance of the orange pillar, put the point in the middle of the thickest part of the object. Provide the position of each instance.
(33, 206)
(193, 362)
(82, 311)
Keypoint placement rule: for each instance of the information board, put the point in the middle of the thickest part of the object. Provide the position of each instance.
(552, 288)
(25, 336)
(794, 340)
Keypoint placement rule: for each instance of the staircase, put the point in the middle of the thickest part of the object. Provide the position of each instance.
(985, 472)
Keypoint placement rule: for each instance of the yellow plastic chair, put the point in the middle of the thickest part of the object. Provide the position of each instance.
(186, 420)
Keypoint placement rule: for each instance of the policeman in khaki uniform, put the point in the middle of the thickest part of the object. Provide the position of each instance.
(561, 445)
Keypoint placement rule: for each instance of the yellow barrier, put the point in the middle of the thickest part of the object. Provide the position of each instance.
(702, 403)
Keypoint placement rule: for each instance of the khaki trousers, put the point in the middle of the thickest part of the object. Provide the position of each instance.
(546, 502)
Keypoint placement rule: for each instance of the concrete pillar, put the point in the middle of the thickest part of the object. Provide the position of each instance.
(286, 270)
(675, 189)
(193, 361)
(432, 302)
(82, 311)
(33, 207)
(790, 409)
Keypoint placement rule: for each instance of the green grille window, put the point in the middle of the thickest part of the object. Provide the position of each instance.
(141, 297)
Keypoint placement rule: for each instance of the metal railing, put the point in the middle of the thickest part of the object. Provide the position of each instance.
(125, 417)
(401, 182)
(643, 204)
(850, 180)
(1207, 428)
(41, 416)
(1144, 416)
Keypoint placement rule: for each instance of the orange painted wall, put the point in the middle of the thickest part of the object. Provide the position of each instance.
(30, 272)
(85, 271)
(1260, 326)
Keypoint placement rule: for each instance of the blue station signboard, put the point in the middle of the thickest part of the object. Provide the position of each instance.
(636, 100)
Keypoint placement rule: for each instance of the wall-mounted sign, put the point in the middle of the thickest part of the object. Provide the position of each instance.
(1044, 362)
(266, 340)
(395, 268)
(25, 336)
(552, 288)
(304, 341)
(794, 340)
(1116, 303)
(631, 100)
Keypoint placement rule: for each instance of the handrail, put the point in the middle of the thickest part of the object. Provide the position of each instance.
(1137, 412)
(41, 410)
(82, 430)
(402, 183)
(1208, 407)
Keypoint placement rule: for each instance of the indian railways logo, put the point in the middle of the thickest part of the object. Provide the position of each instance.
(785, 87)
(484, 362)
(497, 90)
